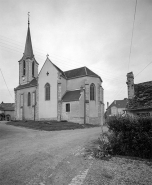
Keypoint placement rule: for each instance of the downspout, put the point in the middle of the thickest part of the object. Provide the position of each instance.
(34, 104)
(84, 107)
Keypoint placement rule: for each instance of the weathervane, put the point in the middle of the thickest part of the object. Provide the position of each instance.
(28, 18)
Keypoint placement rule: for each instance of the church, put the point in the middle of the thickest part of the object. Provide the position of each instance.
(52, 94)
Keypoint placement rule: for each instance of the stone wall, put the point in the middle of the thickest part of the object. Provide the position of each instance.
(130, 84)
(28, 73)
(94, 121)
(24, 111)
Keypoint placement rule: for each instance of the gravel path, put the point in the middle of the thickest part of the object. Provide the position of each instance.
(30, 157)
(40, 157)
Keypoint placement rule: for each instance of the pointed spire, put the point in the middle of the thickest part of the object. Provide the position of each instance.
(28, 52)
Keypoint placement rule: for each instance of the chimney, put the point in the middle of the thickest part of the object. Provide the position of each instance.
(130, 84)
(107, 104)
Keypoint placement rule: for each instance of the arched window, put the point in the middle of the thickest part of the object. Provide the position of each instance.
(92, 92)
(24, 67)
(47, 91)
(29, 99)
(33, 68)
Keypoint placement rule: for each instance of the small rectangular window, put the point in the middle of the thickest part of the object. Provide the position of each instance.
(68, 107)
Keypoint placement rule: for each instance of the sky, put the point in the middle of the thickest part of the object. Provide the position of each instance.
(76, 33)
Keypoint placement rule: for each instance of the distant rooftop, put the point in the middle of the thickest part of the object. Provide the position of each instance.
(7, 106)
(119, 103)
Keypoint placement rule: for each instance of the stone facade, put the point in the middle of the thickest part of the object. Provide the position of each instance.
(81, 108)
(25, 111)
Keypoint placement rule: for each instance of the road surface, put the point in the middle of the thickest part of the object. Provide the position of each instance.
(31, 157)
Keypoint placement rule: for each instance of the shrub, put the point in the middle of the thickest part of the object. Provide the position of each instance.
(130, 136)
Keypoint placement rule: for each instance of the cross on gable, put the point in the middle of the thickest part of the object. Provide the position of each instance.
(47, 55)
(47, 73)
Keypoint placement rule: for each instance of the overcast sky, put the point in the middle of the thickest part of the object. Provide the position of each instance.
(76, 33)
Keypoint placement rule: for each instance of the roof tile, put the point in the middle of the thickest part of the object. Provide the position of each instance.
(143, 96)
(71, 96)
(32, 83)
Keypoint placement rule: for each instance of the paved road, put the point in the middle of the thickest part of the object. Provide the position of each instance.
(31, 157)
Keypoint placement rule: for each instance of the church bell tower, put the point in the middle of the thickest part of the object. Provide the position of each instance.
(28, 66)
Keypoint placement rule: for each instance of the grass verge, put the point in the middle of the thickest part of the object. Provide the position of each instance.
(50, 125)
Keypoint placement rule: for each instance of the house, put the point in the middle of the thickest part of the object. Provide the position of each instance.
(7, 111)
(139, 97)
(117, 107)
(52, 94)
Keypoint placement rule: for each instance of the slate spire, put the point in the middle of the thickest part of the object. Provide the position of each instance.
(28, 52)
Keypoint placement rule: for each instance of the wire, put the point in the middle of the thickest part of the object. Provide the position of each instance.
(143, 69)
(62, 62)
(132, 35)
(6, 84)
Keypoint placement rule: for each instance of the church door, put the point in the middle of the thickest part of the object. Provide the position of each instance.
(66, 112)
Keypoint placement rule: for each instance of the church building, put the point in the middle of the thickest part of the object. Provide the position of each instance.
(75, 95)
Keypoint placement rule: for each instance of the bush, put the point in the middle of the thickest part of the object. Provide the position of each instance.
(130, 136)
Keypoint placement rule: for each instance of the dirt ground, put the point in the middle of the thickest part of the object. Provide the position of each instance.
(41, 157)
(32, 157)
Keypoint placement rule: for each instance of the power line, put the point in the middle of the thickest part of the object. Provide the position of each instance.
(143, 69)
(59, 61)
(132, 35)
(6, 85)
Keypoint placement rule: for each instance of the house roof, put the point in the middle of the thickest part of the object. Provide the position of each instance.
(118, 103)
(79, 72)
(71, 96)
(142, 96)
(32, 83)
(62, 73)
(7, 106)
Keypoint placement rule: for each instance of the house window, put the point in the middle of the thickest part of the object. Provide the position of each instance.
(29, 99)
(68, 107)
(33, 68)
(24, 67)
(92, 92)
(47, 91)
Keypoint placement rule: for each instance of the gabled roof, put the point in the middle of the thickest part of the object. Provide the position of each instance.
(71, 96)
(118, 104)
(62, 73)
(79, 72)
(142, 96)
(7, 106)
(32, 83)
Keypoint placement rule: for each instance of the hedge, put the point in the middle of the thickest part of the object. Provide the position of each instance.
(131, 136)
